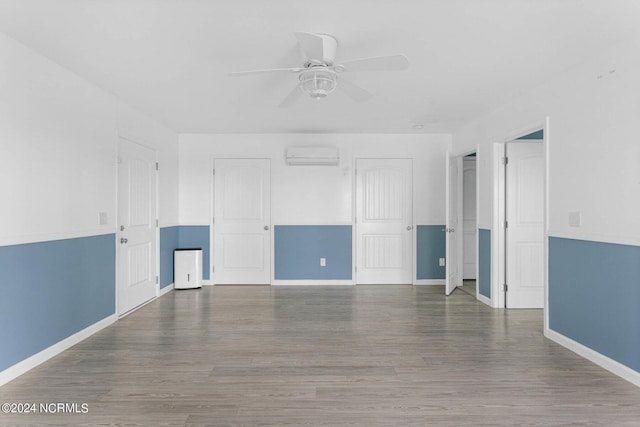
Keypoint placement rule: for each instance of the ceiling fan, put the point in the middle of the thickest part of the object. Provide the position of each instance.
(320, 74)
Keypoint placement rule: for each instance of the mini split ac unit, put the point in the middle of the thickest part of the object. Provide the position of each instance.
(320, 156)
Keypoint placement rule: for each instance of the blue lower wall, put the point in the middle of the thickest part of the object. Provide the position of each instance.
(484, 262)
(539, 134)
(52, 290)
(594, 296)
(195, 236)
(298, 249)
(431, 246)
(169, 241)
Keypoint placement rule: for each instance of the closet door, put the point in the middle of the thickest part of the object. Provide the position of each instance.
(242, 222)
(384, 221)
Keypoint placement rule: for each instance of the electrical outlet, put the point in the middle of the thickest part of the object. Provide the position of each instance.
(441, 262)
(323, 262)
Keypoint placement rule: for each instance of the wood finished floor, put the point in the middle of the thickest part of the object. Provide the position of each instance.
(469, 287)
(324, 356)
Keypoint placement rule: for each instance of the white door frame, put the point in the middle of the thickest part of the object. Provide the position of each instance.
(143, 143)
(498, 237)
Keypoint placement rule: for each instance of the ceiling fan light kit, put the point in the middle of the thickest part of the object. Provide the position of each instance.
(318, 76)
(318, 83)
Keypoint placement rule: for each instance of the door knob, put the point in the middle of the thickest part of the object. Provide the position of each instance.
(266, 227)
(123, 240)
(409, 228)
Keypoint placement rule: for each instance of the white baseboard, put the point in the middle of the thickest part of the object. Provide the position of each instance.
(165, 290)
(312, 283)
(20, 368)
(484, 299)
(207, 283)
(599, 359)
(429, 282)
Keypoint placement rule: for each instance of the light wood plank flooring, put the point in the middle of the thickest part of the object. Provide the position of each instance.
(324, 356)
(469, 287)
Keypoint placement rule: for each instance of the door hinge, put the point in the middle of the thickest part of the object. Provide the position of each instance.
(213, 269)
(505, 287)
(213, 220)
(505, 161)
(157, 223)
(506, 224)
(157, 166)
(356, 268)
(156, 280)
(214, 172)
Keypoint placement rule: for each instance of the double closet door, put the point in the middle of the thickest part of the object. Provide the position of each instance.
(242, 222)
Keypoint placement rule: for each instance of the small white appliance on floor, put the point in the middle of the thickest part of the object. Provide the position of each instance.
(187, 268)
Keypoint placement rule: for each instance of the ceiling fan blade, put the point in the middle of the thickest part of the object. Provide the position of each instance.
(377, 63)
(269, 70)
(292, 98)
(312, 45)
(353, 91)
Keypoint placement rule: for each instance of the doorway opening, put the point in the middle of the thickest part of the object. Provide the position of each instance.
(469, 225)
(461, 223)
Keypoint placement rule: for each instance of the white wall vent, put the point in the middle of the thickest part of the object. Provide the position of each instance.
(308, 156)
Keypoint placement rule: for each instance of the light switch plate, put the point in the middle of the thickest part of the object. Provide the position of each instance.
(441, 262)
(323, 262)
(575, 219)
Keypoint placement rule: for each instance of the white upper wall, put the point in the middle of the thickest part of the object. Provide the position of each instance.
(57, 134)
(58, 139)
(312, 194)
(594, 155)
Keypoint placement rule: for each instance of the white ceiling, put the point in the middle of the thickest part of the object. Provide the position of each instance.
(170, 58)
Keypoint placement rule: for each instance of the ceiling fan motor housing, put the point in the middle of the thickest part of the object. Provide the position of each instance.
(329, 46)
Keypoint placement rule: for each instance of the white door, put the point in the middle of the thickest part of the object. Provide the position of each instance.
(453, 210)
(384, 221)
(525, 225)
(242, 222)
(470, 250)
(136, 237)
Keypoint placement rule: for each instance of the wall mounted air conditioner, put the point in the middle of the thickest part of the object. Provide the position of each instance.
(308, 156)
